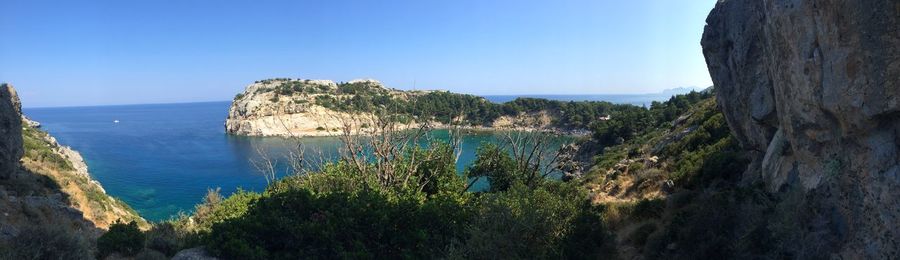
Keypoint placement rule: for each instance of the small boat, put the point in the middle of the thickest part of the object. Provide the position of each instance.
(116, 121)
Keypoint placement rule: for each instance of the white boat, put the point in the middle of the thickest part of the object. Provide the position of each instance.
(116, 121)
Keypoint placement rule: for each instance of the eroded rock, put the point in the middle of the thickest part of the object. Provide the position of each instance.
(825, 76)
(10, 130)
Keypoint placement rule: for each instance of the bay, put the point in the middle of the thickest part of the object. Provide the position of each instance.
(162, 158)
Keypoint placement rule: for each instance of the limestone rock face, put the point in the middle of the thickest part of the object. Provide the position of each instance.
(812, 89)
(10, 131)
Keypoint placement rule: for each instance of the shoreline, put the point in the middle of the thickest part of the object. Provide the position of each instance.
(478, 129)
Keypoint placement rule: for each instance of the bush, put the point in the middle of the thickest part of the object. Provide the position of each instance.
(125, 239)
(164, 238)
(648, 209)
(298, 224)
(46, 242)
(495, 164)
(550, 222)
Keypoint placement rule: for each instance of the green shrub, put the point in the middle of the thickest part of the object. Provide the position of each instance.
(298, 224)
(46, 242)
(216, 209)
(495, 164)
(648, 209)
(125, 239)
(164, 238)
(545, 223)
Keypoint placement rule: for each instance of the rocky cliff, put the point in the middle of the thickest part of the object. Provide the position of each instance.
(10, 131)
(303, 107)
(275, 108)
(47, 190)
(812, 90)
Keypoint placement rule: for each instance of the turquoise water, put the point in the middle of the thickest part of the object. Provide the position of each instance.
(161, 158)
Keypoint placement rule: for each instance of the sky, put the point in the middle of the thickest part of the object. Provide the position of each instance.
(78, 53)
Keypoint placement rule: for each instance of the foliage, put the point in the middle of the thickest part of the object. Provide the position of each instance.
(549, 222)
(122, 238)
(496, 165)
(453, 108)
(216, 209)
(630, 122)
(40, 150)
(337, 214)
(46, 242)
(346, 211)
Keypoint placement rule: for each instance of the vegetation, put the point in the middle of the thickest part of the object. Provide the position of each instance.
(47, 242)
(40, 150)
(452, 108)
(122, 238)
(399, 201)
(43, 158)
(385, 198)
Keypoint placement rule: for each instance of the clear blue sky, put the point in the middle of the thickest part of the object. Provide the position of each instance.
(63, 53)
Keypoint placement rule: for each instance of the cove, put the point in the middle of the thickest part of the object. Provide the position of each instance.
(161, 158)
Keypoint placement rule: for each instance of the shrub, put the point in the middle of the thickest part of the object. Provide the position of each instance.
(639, 236)
(216, 209)
(46, 242)
(548, 222)
(125, 239)
(648, 208)
(495, 164)
(164, 238)
(298, 223)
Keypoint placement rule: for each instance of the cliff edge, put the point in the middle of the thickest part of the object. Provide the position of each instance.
(812, 90)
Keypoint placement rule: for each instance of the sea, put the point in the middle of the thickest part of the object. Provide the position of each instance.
(162, 158)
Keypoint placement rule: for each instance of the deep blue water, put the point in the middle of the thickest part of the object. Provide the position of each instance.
(161, 158)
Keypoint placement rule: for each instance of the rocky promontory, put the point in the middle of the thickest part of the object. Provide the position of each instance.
(812, 90)
(303, 107)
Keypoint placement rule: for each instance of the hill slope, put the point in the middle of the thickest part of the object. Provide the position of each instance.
(50, 205)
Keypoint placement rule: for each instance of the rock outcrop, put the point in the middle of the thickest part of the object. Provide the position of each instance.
(291, 107)
(10, 131)
(812, 89)
(303, 107)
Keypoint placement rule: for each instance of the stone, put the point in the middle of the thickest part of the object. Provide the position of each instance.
(812, 90)
(10, 131)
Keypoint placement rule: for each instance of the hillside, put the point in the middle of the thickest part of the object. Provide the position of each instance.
(296, 107)
(46, 192)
